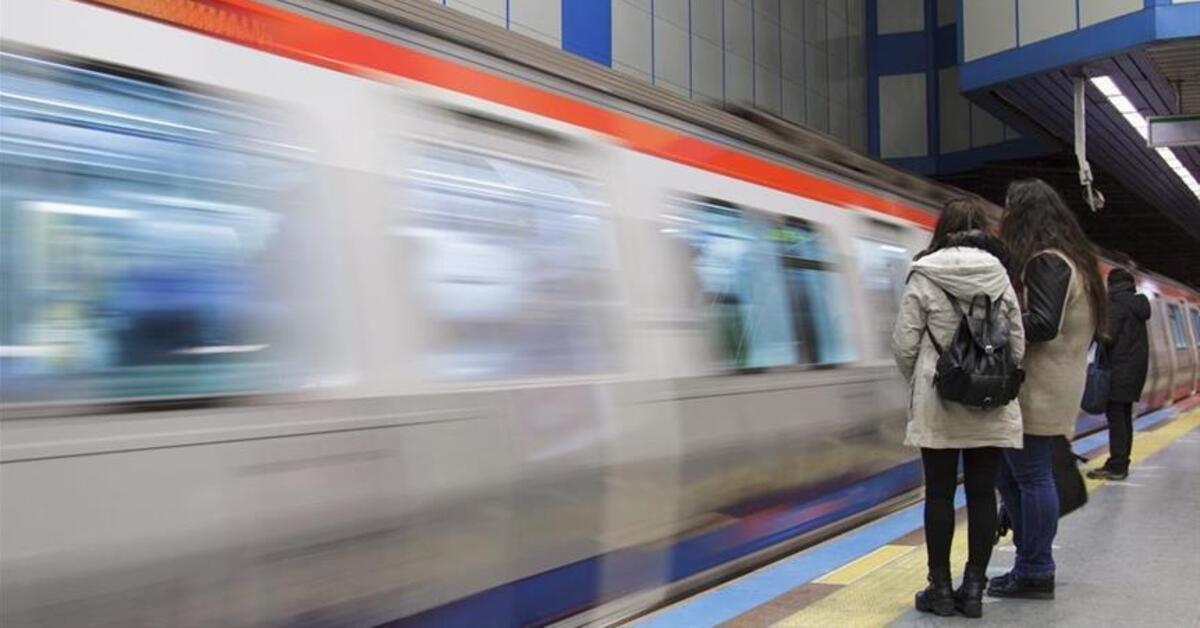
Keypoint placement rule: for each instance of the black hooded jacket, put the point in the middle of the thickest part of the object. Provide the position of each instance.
(1128, 349)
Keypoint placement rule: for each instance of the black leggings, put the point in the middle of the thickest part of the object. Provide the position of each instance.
(941, 478)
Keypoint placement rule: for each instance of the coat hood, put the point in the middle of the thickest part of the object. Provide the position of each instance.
(965, 272)
(1123, 295)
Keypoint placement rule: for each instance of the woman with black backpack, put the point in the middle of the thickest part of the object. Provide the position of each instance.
(958, 341)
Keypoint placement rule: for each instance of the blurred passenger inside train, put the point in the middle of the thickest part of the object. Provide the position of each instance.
(962, 262)
(1057, 272)
(1127, 356)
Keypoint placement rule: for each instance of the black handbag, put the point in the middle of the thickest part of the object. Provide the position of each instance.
(1095, 393)
(1072, 492)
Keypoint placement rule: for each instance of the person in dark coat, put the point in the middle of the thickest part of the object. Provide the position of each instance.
(1127, 355)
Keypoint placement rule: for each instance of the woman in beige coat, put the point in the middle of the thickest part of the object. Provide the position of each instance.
(962, 262)
(1065, 307)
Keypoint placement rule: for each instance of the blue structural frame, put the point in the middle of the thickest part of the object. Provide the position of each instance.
(1158, 21)
(928, 51)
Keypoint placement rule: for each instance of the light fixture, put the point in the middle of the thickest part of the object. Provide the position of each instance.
(1125, 107)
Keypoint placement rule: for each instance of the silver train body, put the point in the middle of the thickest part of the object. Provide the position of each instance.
(287, 345)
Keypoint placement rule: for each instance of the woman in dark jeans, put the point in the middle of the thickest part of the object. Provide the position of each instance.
(961, 263)
(1057, 272)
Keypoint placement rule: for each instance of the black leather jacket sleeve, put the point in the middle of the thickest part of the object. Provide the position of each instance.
(1047, 280)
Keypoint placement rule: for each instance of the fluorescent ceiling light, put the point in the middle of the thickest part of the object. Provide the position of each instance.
(1136, 120)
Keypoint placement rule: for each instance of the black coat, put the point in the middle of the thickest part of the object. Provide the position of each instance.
(1128, 349)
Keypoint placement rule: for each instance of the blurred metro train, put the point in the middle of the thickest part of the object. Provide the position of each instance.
(324, 314)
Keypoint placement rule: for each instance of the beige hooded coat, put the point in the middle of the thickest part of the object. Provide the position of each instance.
(963, 272)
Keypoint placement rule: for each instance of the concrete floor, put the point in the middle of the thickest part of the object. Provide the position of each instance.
(1130, 558)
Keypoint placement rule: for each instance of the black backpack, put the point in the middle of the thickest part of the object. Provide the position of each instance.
(977, 368)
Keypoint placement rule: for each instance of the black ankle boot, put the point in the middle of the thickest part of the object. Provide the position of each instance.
(938, 597)
(968, 598)
(1009, 585)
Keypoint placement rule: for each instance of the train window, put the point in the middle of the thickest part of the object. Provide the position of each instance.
(1177, 331)
(142, 245)
(883, 268)
(814, 292)
(515, 266)
(1196, 326)
(763, 285)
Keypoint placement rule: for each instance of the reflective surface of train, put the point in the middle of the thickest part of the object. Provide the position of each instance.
(318, 318)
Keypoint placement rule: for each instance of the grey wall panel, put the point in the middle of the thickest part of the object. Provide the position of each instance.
(739, 52)
(902, 116)
(817, 114)
(538, 19)
(1096, 11)
(985, 128)
(767, 31)
(706, 70)
(947, 12)
(707, 64)
(792, 15)
(858, 132)
(900, 16)
(839, 121)
(1042, 19)
(793, 101)
(631, 35)
(989, 26)
(487, 10)
(816, 69)
(814, 21)
(954, 110)
(838, 61)
(671, 50)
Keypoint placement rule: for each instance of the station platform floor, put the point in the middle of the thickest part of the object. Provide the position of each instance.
(1130, 557)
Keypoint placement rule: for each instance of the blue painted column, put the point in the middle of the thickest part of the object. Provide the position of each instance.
(587, 29)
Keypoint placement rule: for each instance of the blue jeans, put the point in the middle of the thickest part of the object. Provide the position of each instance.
(1026, 483)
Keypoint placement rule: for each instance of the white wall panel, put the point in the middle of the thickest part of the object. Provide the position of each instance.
(902, 116)
(1096, 11)
(671, 45)
(989, 26)
(985, 128)
(739, 52)
(954, 111)
(488, 10)
(631, 51)
(538, 19)
(900, 16)
(1043, 19)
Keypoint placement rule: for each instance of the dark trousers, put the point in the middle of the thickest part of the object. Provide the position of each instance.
(1026, 484)
(1120, 436)
(979, 481)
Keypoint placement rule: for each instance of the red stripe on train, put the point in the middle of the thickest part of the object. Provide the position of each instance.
(302, 38)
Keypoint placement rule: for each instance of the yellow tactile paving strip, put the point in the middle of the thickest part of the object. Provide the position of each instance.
(881, 589)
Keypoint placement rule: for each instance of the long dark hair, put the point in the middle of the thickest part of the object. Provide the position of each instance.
(1037, 219)
(963, 222)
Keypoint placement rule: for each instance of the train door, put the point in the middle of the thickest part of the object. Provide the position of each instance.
(1195, 320)
(1182, 351)
(883, 261)
(1158, 382)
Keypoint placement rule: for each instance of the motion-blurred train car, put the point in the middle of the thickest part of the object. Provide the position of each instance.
(320, 315)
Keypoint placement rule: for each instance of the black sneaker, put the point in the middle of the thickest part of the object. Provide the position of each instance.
(1104, 473)
(1012, 586)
